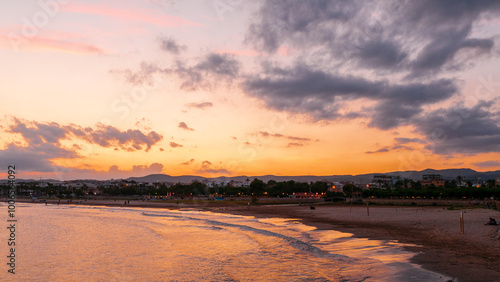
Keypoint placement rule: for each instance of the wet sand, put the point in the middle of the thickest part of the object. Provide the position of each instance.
(472, 256)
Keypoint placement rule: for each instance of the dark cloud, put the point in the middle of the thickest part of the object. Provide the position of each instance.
(487, 164)
(443, 48)
(322, 95)
(143, 76)
(389, 115)
(210, 70)
(168, 44)
(400, 55)
(295, 22)
(403, 140)
(39, 133)
(444, 28)
(184, 126)
(201, 105)
(388, 62)
(109, 136)
(313, 92)
(374, 34)
(399, 103)
(299, 138)
(378, 53)
(294, 144)
(382, 150)
(302, 80)
(32, 158)
(188, 162)
(42, 146)
(461, 130)
(42, 142)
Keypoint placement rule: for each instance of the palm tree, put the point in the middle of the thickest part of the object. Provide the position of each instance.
(459, 181)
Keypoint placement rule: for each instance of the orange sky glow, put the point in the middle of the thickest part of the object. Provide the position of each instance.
(131, 88)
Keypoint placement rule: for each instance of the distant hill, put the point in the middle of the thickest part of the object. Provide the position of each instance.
(167, 178)
(447, 174)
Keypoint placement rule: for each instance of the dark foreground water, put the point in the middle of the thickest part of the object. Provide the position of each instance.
(82, 243)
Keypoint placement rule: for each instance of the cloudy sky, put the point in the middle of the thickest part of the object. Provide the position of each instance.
(111, 89)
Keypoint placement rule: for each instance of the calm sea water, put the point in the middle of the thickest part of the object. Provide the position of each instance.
(82, 243)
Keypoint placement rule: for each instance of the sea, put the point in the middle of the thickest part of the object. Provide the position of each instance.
(99, 243)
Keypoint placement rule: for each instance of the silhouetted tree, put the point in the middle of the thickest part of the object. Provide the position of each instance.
(257, 187)
(349, 189)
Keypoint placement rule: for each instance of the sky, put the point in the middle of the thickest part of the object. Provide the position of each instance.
(114, 89)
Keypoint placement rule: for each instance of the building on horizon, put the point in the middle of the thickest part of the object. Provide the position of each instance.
(335, 187)
(381, 181)
(432, 179)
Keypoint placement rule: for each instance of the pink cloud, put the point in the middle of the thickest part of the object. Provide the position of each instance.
(294, 144)
(43, 151)
(136, 14)
(137, 170)
(175, 145)
(72, 47)
(12, 38)
(87, 172)
(48, 135)
(188, 162)
(208, 167)
(184, 126)
(285, 51)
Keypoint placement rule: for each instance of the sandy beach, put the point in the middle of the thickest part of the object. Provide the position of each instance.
(472, 256)
(433, 232)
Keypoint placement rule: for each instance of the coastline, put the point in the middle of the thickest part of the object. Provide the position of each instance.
(440, 247)
(433, 233)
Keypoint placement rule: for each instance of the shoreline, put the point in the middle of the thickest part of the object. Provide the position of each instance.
(438, 244)
(432, 233)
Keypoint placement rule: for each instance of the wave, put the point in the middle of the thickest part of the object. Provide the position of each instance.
(292, 241)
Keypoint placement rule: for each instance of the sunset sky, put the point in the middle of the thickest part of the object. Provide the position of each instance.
(113, 89)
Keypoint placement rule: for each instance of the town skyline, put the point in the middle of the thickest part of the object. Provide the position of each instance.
(445, 174)
(95, 90)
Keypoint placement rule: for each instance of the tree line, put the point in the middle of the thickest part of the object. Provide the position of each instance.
(434, 193)
(258, 188)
